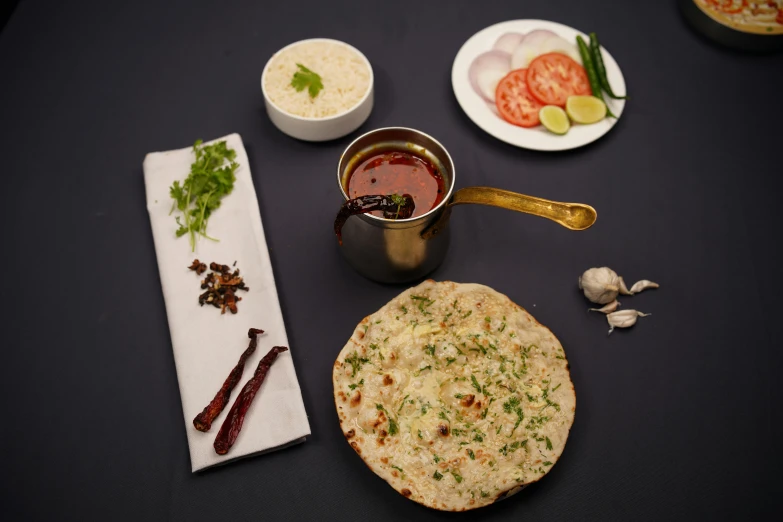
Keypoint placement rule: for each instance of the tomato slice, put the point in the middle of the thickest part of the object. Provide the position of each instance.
(553, 77)
(514, 102)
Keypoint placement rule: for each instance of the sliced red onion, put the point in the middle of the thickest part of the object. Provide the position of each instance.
(529, 48)
(487, 70)
(555, 44)
(508, 42)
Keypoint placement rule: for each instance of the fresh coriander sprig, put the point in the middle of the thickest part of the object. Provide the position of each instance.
(305, 78)
(211, 177)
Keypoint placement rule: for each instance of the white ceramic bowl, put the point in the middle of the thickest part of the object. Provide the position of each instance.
(320, 129)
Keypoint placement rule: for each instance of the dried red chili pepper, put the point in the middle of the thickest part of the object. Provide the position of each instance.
(203, 421)
(231, 427)
(393, 207)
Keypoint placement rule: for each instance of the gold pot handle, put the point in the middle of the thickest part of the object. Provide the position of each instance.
(574, 216)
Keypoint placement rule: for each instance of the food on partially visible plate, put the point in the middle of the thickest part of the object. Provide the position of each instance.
(317, 78)
(763, 17)
(454, 395)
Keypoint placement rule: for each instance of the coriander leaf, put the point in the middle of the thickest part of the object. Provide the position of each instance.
(393, 429)
(356, 363)
(475, 383)
(397, 199)
(305, 78)
(212, 177)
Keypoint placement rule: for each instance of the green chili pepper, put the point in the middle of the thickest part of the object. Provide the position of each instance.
(600, 69)
(592, 76)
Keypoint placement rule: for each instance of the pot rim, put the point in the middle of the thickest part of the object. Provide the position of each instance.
(449, 163)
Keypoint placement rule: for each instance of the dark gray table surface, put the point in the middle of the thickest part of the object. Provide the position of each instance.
(678, 418)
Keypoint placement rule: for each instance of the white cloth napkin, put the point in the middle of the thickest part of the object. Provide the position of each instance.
(206, 344)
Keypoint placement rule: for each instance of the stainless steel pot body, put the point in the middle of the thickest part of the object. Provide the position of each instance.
(393, 250)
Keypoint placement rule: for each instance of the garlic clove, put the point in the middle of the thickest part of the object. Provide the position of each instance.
(623, 319)
(624, 289)
(611, 307)
(644, 284)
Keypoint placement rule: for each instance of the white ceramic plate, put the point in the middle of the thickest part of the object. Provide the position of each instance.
(537, 138)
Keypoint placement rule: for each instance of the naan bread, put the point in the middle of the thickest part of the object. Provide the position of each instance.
(454, 395)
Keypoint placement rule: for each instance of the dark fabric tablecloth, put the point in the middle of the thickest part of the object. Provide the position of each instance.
(677, 418)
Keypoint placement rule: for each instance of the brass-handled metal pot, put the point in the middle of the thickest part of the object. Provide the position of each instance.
(404, 250)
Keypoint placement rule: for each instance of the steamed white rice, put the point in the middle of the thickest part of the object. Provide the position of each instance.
(344, 74)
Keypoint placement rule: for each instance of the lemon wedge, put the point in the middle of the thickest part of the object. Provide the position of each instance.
(554, 119)
(585, 109)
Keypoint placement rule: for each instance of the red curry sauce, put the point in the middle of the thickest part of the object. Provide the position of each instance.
(394, 172)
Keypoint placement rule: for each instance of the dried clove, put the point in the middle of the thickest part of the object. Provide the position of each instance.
(217, 267)
(220, 286)
(198, 267)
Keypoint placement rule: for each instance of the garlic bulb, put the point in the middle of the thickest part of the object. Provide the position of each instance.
(623, 319)
(609, 308)
(600, 285)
